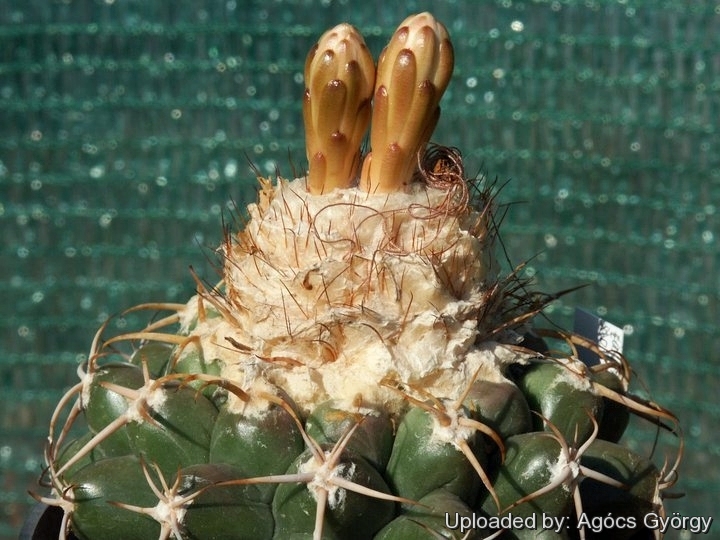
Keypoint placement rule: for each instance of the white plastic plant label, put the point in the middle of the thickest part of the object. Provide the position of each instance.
(607, 336)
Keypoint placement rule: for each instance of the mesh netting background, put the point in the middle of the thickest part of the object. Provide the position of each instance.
(126, 129)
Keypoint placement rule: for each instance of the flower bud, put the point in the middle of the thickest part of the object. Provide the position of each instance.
(412, 74)
(339, 79)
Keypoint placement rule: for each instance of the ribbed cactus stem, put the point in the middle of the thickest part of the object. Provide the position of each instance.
(413, 72)
(339, 78)
(363, 370)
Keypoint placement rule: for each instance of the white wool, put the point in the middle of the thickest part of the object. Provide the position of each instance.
(332, 294)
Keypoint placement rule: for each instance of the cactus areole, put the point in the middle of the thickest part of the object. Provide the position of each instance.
(362, 370)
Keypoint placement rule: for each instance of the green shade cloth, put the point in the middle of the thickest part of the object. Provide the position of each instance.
(127, 126)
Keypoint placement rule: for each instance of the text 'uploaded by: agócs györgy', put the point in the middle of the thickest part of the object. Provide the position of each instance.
(652, 521)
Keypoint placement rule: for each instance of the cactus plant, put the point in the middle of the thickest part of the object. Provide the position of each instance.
(362, 370)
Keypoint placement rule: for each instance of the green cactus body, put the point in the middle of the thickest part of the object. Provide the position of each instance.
(501, 406)
(177, 431)
(258, 445)
(529, 464)
(223, 511)
(616, 416)
(635, 499)
(156, 356)
(565, 399)
(104, 406)
(421, 462)
(373, 439)
(431, 519)
(349, 514)
(360, 372)
(118, 479)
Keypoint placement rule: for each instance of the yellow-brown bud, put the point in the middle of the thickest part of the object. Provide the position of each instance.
(339, 80)
(412, 74)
